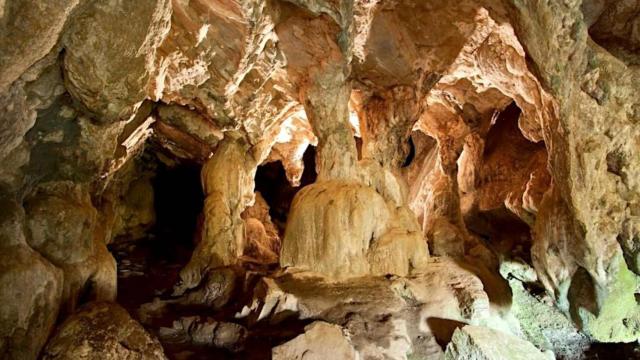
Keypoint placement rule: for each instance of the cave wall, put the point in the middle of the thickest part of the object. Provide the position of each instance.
(523, 118)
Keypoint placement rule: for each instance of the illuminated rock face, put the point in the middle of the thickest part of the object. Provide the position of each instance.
(498, 137)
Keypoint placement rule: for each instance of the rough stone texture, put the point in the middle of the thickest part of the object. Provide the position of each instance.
(205, 333)
(403, 315)
(292, 141)
(61, 217)
(320, 341)
(109, 70)
(479, 343)
(35, 90)
(587, 213)
(31, 288)
(500, 134)
(227, 180)
(26, 38)
(192, 123)
(366, 243)
(127, 210)
(102, 331)
(261, 235)
(545, 326)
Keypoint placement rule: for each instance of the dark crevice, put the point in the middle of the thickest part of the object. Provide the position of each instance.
(273, 185)
(178, 201)
(411, 155)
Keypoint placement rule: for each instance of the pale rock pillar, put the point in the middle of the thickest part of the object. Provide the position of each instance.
(228, 184)
(351, 221)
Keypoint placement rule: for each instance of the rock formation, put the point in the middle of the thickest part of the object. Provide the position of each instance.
(473, 342)
(378, 179)
(102, 330)
(320, 340)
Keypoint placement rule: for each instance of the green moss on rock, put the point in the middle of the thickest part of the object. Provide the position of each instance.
(619, 317)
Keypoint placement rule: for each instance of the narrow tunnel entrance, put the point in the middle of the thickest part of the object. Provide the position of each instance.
(148, 264)
(178, 201)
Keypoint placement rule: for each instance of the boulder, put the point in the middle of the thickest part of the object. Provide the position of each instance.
(320, 341)
(390, 316)
(102, 330)
(480, 343)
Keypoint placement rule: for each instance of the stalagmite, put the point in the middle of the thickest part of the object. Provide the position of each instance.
(227, 180)
(351, 221)
(395, 179)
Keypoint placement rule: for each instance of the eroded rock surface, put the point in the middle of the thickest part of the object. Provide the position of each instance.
(403, 315)
(319, 341)
(205, 333)
(102, 331)
(32, 288)
(476, 343)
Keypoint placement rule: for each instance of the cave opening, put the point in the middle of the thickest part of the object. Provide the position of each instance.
(149, 263)
(149, 260)
(411, 154)
(272, 183)
(178, 201)
(506, 195)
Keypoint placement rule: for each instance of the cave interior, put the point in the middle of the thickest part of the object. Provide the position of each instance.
(320, 179)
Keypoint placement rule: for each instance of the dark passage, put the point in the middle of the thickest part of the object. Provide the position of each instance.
(272, 183)
(178, 200)
(149, 267)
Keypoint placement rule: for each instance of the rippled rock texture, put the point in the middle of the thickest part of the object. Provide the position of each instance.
(390, 178)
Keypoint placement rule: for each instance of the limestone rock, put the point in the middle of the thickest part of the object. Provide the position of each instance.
(585, 212)
(478, 343)
(393, 316)
(546, 326)
(337, 247)
(319, 341)
(192, 123)
(29, 33)
(135, 212)
(354, 239)
(61, 225)
(612, 25)
(294, 138)
(32, 289)
(61, 217)
(35, 90)
(228, 191)
(224, 61)
(205, 332)
(262, 242)
(108, 70)
(102, 331)
(214, 291)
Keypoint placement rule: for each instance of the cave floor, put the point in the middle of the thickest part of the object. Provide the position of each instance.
(149, 268)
